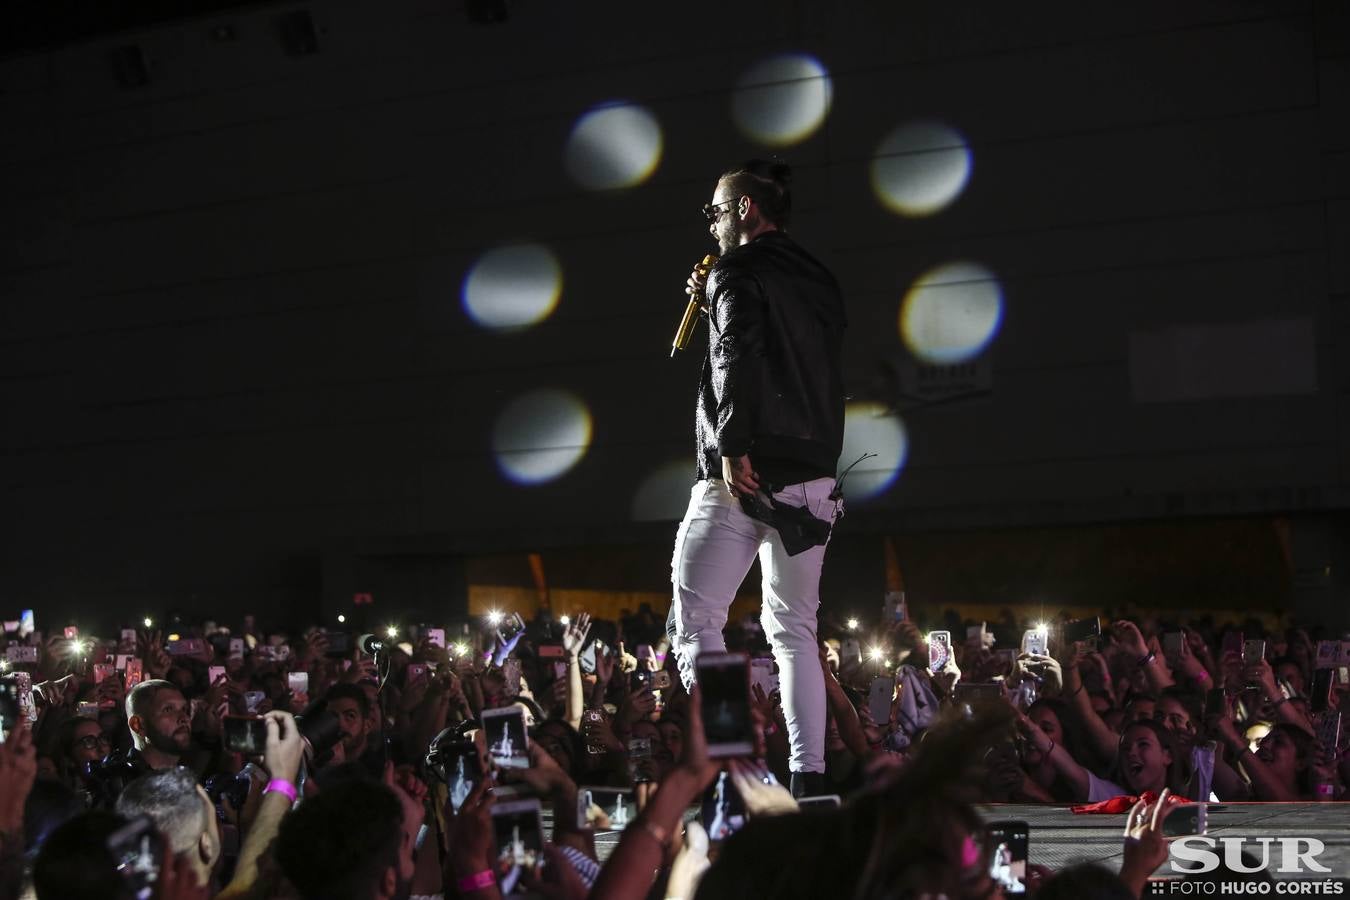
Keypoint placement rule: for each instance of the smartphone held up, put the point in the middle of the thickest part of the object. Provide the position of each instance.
(1007, 842)
(724, 682)
(507, 742)
(519, 831)
(939, 650)
(245, 734)
(457, 763)
(1036, 641)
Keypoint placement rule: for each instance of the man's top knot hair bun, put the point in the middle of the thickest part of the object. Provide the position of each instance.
(769, 169)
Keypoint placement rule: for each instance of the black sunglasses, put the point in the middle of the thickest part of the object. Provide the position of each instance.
(712, 211)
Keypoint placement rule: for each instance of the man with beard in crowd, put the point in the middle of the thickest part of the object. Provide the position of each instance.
(359, 722)
(160, 721)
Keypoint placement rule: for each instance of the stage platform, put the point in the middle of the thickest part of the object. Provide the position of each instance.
(1059, 839)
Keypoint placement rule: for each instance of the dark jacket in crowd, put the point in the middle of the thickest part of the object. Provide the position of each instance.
(772, 384)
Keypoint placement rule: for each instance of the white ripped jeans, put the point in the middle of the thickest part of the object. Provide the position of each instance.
(714, 549)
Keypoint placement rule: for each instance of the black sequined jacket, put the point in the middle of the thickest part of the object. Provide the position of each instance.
(771, 384)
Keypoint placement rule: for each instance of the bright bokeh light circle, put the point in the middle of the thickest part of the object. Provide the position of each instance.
(614, 145)
(870, 428)
(663, 495)
(951, 313)
(920, 168)
(783, 99)
(513, 286)
(541, 435)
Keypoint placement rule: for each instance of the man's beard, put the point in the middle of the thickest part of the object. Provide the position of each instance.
(168, 743)
(727, 236)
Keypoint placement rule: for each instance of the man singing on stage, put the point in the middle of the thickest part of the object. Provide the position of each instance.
(770, 427)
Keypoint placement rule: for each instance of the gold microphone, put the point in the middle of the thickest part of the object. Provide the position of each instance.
(696, 298)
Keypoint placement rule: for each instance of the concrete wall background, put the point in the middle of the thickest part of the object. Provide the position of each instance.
(234, 353)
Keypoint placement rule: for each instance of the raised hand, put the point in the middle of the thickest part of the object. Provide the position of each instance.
(945, 681)
(1188, 664)
(1029, 729)
(544, 775)
(453, 688)
(1070, 655)
(284, 748)
(434, 653)
(18, 771)
(50, 693)
(627, 661)
(414, 692)
(604, 667)
(828, 660)
(1098, 660)
(1130, 638)
(690, 863)
(59, 691)
(111, 691)
(694, 760)
(1145, 847)
(558, 880)
(362, 669)
(1048, 670)
(217, 692)
(468, 837)
(412, 794)
(636, 706)
(575, 636)
(761, 793)
(600, 732)
(314, 647)
(216, 698)
(1261, 673)
(156, 658)
(1221, 722)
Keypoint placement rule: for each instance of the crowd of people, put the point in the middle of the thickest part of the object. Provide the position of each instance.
(244, 761)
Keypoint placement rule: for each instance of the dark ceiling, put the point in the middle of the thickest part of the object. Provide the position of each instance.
(28, 25)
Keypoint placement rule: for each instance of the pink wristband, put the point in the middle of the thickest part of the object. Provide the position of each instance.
(281, 786)
(477, 881)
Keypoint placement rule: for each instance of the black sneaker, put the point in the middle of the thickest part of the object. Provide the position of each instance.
(808, 784)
